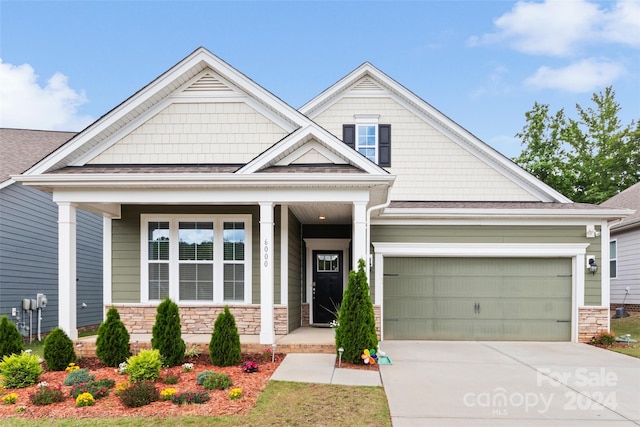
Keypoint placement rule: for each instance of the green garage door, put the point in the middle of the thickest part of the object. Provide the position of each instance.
(526, 299)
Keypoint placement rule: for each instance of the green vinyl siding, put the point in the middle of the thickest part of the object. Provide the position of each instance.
(125, 234)
(477, 299)
(497, 234)
(295, 274)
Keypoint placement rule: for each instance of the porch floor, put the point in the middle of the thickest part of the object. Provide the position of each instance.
(301, 340)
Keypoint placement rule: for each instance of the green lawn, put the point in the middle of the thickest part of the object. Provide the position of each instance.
(627, 325)
(280, 404)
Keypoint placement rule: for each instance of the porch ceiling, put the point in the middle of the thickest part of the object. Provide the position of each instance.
(333, 213)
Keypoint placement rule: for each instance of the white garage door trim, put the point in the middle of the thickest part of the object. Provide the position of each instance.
(576, 252)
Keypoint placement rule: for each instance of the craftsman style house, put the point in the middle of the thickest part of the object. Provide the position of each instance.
(215, 192)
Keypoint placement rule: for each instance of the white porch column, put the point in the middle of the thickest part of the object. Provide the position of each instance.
(106, 265)
(267, 334)
(359, 242)
(67, 269)
(284, 254)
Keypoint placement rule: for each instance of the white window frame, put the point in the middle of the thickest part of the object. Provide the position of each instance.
(615, 276)
(218, 257)
(367, 120)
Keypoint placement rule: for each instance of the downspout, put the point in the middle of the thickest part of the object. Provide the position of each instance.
(368, 231)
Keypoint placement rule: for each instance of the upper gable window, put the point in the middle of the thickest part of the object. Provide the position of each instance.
(369, 138)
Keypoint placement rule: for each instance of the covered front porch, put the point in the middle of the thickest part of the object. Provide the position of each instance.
(302, 340)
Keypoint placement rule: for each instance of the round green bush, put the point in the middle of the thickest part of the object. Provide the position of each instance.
(145, 366)
(20, 370)
(58, 350)
(78, 377)
(112, 344)
(217, 381)
(10, 338)
(139, 394)
(202, 376)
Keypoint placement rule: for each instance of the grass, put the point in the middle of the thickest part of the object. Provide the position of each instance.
(627, 325)
(281, 403)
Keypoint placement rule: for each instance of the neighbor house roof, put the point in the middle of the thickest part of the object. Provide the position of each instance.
(22, 148)
(629, 199)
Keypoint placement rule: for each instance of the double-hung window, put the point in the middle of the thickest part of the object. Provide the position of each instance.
(369, 138)
(196, 258)
(613, 259)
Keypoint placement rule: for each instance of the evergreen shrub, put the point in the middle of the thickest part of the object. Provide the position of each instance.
(224, 347)
(167, 334)
(10, 338)
(112, 344)
(58, 350)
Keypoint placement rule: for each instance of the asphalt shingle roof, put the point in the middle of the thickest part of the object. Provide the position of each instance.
(22, 148)
(629, 199)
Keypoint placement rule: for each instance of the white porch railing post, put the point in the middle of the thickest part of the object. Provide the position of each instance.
(67, 269)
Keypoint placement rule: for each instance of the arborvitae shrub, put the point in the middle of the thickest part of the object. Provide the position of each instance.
(58, 350)
(10, 338)
(112, 345)
(357, 324)
(167, 334)
(224, 347)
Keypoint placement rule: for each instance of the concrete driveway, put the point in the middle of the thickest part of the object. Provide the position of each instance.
(436, 383)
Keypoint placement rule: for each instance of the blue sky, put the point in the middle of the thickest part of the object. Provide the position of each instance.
(482, 63)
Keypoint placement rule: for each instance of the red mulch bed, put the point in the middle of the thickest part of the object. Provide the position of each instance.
(111, 406)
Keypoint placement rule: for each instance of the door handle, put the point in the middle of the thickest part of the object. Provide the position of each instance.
(478, 308)
(475, 308)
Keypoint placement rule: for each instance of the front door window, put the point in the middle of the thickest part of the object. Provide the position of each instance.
(327, 285)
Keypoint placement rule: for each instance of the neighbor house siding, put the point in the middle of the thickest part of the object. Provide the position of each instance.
(225, 132)
(628, 267)
(295, 274)
(427, 164)
(126, 246)
(496, 234)
(29, 257)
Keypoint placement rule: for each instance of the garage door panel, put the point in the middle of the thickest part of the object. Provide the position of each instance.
(477, 298)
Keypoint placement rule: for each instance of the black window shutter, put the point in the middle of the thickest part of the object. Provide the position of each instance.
(349, 135)
(384, 145)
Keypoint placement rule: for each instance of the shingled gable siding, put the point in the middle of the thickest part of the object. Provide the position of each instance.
(126, 246)
(496, 234)
(225, 132)
(427, 165)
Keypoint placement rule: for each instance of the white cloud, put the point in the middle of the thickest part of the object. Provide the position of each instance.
(561, 27)
(583, 76)
(24, 103)
(493, 84)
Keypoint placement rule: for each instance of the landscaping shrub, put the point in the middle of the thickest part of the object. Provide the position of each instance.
(112, 344)
(58, 350)
(20, 370)
(171, 379)
(202, 376)
(10, 338)
(224, 347)
(217, 381)
(604, 338)
(190, 397)
(357, 325)
(144, 366)
(78, 376)
(46, 395)
(167, 335)
(139, 394)
(97, 389)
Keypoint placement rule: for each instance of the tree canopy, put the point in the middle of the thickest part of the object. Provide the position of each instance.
(589, 159)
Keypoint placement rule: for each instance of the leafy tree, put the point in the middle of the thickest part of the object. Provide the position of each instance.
(224, 347)
(588, 159)
(58, 350)
(357, 324)
(167, 334)
(10, 338)
(112, 344)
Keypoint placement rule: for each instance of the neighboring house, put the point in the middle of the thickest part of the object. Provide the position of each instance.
(625, 251)
(215, 192)
(29, 239)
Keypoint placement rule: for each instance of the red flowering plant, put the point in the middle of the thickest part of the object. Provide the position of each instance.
(250, 366)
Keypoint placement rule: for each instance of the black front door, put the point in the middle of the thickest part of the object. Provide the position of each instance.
(327, 285)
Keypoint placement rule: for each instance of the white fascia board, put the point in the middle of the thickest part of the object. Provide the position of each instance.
(241, 196)
(593, 214)
(482, 250)
(7, 183)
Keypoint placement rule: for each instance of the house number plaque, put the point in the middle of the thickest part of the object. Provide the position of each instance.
(266, 253)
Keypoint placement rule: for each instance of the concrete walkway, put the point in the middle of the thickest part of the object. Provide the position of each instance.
(320, 368)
